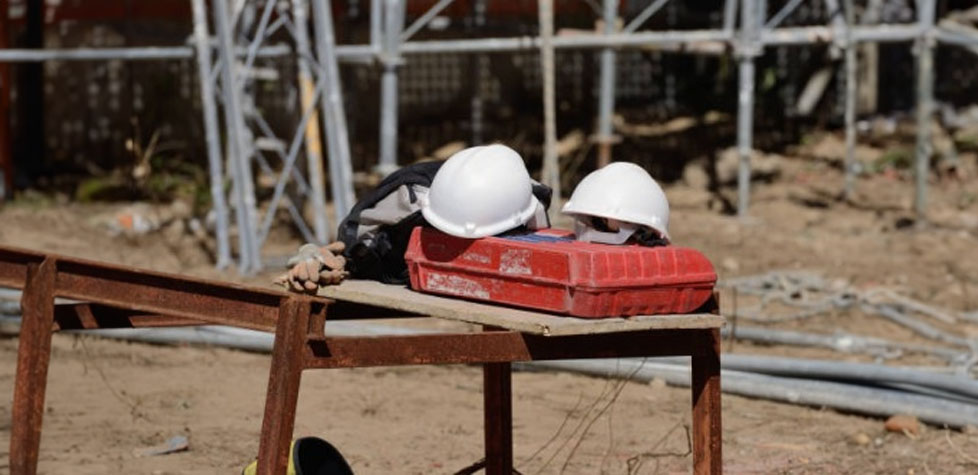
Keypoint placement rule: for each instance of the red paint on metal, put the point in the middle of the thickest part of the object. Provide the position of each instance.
(549, 271)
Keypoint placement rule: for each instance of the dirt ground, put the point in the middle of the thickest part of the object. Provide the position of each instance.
(107, 399)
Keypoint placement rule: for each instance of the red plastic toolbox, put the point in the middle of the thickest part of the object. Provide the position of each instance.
(548, 270)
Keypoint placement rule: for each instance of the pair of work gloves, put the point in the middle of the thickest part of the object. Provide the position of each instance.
(314, 266)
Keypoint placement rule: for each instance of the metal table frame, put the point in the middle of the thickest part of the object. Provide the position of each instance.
(120, 297)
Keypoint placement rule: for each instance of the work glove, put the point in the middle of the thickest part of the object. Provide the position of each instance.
(313, 266)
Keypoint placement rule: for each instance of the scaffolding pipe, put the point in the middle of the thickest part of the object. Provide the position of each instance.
(729, 17)
(787, 36)
(313, 141)
(748, 49)
(239, 152)
(424, 19)
(333, 111)
(925, 103)
(481, 78)
(641, 39)
(782, 14)
(967, 39)
(851, 92)
(807, 35)
(606, 104)
(376, 27)
(142, 53)
(839, 25)
(642, 17)
(390, 60)
(550, 175)
(212, 136)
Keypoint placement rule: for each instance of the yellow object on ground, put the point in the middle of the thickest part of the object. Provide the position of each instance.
(310, 456)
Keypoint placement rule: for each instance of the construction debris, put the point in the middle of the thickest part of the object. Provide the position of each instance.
(903, 423)
(177, 443)
(861, 439)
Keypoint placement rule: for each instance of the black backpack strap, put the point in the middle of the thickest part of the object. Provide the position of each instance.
(380, 256)
(543, 193)
(416, 174)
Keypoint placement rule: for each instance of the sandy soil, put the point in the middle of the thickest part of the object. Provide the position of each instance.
(108, 398)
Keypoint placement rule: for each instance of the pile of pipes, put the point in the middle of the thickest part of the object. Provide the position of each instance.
(941, 395)
(806, 296)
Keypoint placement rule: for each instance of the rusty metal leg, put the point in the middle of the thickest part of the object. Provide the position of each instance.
(497, 391)
(707, 442)
(33, 355)
(283, 386)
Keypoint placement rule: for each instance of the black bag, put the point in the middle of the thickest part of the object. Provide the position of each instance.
(378, 228)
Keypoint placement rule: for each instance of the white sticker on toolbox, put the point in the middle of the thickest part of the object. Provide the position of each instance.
(455, 285)
(515, 261)
(476, 257)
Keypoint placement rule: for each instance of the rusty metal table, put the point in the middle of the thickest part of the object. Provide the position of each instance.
(119, 297)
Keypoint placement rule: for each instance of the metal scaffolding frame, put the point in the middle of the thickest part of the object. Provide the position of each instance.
(746, 42)
(227, 65)
(249, 136)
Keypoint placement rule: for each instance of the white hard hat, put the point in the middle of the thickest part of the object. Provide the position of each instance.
(624, 194)
(479, 192)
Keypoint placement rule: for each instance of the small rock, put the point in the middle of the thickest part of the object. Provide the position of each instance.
(762, 167)
(177, 443)
(861, 439)
(695, 176)
(657, 383)
(903, 423)
(730, 264)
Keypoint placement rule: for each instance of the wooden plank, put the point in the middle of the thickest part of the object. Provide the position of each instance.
(402, 298)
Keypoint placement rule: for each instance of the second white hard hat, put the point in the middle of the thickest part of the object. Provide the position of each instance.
(480, 191)
(626, 196)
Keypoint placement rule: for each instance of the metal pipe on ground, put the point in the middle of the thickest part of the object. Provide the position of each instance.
(917, 326)
(842, 342)
(827, 369)
(925, 381)
(847, 397)
(928, 391)
(870, 401)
